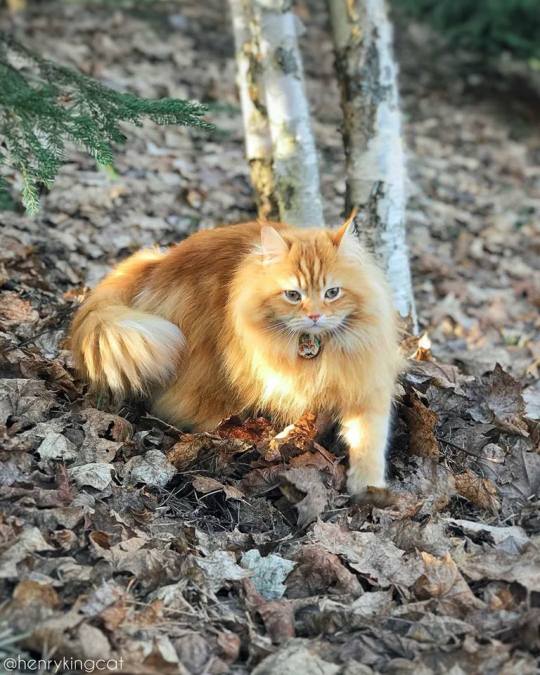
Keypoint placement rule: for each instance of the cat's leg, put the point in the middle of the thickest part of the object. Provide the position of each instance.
(366, 434)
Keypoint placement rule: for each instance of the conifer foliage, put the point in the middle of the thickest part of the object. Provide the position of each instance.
(44, 105)
(489, 26)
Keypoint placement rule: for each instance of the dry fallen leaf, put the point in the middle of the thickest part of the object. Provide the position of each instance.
(309, 493)
(29, 592)
(220, 567)
(267, 573)
(442, 580)
(319, 572)
(298, 656)
(206, 484)
(15, 310)
(97, 475)
(422, 423)
(482, 492)
(151, 469)
(376, 559)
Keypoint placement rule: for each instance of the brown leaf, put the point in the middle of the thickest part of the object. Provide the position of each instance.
(186, 451)
(320, 572)
(26, 543)
(296, 658)
(481, 492)
(278, 619)
(309, 495)
(505, 401)
(375, 558)
(115, 615)
(14, 310)
(206, 484)
(24, 401)
(443, 580)
(322, 459)
(99, 423)
(233, 492)
(277, 615)
(253, 430)
(228, 644)
(293, 440)
(422, 423)
(503, 566)
(29, 592)
(262, 480)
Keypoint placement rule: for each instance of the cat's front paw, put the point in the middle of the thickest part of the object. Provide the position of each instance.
(359, 479)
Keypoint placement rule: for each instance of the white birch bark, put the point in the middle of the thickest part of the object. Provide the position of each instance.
(252, 100)
(372, 136)
(296, 172)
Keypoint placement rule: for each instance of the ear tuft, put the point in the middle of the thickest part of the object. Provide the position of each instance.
(272, 243)
(338, 236)
(346, 238)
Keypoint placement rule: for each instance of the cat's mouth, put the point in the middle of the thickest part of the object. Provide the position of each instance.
(323, 331)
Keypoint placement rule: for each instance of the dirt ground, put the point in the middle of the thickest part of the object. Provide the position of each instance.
(239, 551)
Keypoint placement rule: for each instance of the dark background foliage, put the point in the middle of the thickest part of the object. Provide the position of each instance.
(490, 26)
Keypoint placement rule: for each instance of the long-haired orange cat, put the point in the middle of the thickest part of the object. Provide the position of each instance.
(251, 317)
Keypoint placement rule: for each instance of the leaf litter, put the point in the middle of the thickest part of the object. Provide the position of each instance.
(238, 550)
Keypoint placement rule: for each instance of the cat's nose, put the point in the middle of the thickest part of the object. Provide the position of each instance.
(314, 317)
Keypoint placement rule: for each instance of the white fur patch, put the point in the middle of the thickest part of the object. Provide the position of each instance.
(158, 331)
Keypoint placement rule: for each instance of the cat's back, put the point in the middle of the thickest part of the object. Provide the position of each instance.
(211, 253)
(193, 278)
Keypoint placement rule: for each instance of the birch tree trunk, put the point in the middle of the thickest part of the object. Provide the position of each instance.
(372, 137)
(296, 172)
(252, 99)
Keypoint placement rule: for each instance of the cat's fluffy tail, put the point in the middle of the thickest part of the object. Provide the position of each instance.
(119, 348)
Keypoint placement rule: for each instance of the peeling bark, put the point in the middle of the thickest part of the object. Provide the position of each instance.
(296, 172)
(372, 137)
(252, 99)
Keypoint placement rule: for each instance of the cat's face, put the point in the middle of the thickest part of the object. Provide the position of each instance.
(311, 282)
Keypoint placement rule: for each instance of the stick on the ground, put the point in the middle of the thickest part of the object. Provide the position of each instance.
(296, 171)
(375, 158)
(252, 100)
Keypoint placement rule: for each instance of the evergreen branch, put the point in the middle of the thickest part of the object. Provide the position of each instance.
(44, 104)
(489, 26)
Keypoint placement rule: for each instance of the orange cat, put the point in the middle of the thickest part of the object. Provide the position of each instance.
(251, 317)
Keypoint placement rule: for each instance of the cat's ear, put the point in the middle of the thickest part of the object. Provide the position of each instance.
(345, 239)
(273, 246)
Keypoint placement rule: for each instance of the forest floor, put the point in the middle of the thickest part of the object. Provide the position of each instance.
(239, 551)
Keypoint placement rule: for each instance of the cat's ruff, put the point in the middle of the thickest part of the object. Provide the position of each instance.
(217, 325)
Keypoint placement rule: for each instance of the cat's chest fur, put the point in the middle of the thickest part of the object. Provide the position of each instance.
(287, 384)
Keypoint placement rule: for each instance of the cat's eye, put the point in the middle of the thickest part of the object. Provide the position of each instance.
(292, 296)
(332, 293)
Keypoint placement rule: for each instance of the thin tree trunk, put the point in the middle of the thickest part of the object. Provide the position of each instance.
(296, 172)
(375, 159)
(252, 99)
(15, 6)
